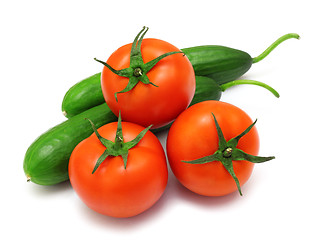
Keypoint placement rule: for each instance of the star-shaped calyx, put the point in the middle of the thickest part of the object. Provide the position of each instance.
(118, 147)
(137, 71)
(228, 152)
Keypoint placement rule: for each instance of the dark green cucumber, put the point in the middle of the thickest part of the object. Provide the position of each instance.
(46, 160)
(208, 89)
(82, 96)
(87, 93)
(223, 64)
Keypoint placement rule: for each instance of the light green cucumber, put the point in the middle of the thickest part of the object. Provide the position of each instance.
(46, 160)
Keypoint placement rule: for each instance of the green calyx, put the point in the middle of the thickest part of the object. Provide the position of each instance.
(228, 152)
(137, 71)
(118, 147)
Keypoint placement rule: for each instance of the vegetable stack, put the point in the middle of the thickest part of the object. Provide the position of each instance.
(107, 147)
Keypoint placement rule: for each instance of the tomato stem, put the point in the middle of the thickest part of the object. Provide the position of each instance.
(137, 71)
(118, 147)
(228, 152)
(252, 82)
(274, 45)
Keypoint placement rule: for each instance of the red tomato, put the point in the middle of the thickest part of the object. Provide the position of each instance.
(113, 190)
(193, 135)
(147, 104)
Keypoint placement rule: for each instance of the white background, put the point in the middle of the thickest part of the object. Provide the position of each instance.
(47, 46)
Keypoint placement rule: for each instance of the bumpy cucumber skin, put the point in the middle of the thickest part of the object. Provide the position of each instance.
(46, 160)
(82, 96)
(223, 64)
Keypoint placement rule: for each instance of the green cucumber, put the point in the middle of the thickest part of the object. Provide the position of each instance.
(46, 160)
(223, 64)
(208, 89)
(89, 90)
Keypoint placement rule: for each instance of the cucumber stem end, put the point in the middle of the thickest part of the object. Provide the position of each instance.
(274, 45)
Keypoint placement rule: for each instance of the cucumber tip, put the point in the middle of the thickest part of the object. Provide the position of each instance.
(64, 113)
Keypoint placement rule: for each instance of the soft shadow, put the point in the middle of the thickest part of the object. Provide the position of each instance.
(44, 191)
(175, 193)
(125, 224)
(162, 136)
(178, 191)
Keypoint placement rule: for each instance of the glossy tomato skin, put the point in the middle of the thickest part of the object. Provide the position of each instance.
(193, 135)
(113, 190)
(146, 104)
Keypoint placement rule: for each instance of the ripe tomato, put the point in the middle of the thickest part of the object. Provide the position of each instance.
(112, 189)
(159, 103)
(194, 135)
